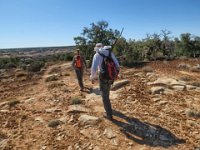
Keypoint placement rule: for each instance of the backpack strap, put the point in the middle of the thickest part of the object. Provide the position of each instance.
(109, 55)
(102, 54)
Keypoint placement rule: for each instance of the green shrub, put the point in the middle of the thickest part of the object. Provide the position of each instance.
(12, 103)
(20, 74)
(193, 113)
(35, 66)
(53, 123)
(75, 101)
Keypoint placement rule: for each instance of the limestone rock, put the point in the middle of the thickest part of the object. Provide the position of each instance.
(109, 133)
(157, 90)
(88, 120)
(91, 133)
(119, 84)
(77, 109)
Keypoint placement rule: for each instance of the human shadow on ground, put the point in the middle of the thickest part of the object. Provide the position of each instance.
(145, 133)
(96, 91)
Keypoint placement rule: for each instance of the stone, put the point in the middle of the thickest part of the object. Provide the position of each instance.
(162, 102)
(77, 109)
(39, 119)
(119, 84)
(70, 148)
(88, 120)
(4, 111)
(71, 118)
(44, 147)
(29, 101)
(96, 148)
(3, 143)
(64, 119)
(156, 99)
(51, 110)
(109, 133)
(52, 77)
(190, 87)
(90, 133)
(157, 90)
(167, 81)
(178, 87)
(114, 142)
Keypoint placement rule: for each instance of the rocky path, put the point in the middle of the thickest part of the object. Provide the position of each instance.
(55, 115)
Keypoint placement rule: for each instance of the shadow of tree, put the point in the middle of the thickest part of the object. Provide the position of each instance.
(146, 133)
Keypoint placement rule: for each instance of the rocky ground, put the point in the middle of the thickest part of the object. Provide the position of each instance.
(155, 106)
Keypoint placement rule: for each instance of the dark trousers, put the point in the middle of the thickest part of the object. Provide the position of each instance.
(79, 74)
(105, 89)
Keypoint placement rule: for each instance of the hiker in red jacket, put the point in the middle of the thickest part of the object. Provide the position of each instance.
(79, 63)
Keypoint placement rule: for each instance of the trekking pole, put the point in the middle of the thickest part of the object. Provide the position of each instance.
(118, 38)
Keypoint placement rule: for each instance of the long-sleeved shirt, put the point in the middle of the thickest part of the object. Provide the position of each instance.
(98, 59)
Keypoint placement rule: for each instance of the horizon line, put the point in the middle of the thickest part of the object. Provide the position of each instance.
(38, 47)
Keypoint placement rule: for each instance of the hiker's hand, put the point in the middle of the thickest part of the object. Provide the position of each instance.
(92, 81)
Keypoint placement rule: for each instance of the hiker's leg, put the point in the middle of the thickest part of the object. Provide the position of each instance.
(105, 88)
(81, 78)
(78, 74)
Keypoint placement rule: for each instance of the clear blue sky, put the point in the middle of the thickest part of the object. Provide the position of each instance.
(33, 23)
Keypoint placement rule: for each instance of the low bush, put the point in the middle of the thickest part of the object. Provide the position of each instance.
(75, 101)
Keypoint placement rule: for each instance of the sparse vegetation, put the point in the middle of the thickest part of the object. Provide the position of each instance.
(75, 101)
(55, 85)
(147, 69)
(193, 113)
(183, 66)
(186, 78)
(12, 103)
(20, 74)
(195, 83)
(54, 123)
(55, 70)
(53, 77)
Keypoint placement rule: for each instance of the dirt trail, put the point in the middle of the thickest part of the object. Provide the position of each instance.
(141, 120)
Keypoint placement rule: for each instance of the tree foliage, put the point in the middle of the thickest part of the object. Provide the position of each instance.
(97, 33)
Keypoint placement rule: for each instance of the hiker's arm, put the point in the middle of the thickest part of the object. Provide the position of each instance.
(73, 62)
(94, 67)
(84, 61)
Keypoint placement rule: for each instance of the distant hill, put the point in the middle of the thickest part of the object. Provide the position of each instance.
(70, 48)
(35, 51)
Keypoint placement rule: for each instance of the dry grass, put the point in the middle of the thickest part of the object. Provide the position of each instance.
(183, 66)
(186, 78)
(75, 101)
(195, 83)
(55, 85)
(147, 69)
(12, 103)
(20, 74)
(55, 70)
(193, 113)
